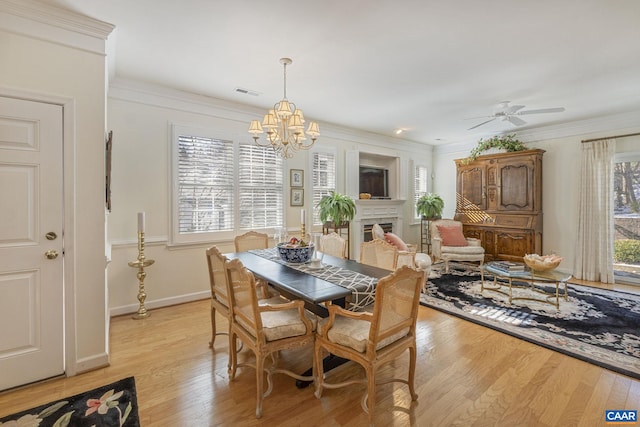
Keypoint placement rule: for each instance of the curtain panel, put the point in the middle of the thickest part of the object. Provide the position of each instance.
(595, 234)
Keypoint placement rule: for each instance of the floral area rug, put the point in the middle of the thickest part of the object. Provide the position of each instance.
(595, 325)
(107, 406)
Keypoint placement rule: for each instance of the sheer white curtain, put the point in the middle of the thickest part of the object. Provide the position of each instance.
(594, 245)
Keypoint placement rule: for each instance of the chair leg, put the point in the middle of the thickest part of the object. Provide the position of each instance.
(370, 405)
(319, 374)
(259, 384)
(412, 372)
(233, 356)
(213, 327)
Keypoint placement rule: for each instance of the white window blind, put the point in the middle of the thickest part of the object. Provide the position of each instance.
(324, 178)
(419, 186)
(260, 184)
(205, 184)
(222, 188)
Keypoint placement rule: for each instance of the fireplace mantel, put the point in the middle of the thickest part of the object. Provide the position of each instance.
(371, 211)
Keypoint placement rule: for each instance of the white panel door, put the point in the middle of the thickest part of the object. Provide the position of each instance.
(31, 220)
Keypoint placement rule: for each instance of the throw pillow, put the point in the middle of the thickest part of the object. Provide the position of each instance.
(396, 241)
(452, 236)
(377, 231)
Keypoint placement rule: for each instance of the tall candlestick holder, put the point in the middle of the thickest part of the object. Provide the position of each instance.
(141, 263)
(302, 232)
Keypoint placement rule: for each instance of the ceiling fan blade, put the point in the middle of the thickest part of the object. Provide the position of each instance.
(542, 110)
(516, 121)
(483, 123)
(512, 109)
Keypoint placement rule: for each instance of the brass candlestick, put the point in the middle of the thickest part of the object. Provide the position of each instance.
(141, 263)
(302, 233)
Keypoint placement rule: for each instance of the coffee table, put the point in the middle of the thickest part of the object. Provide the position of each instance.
(534, 281)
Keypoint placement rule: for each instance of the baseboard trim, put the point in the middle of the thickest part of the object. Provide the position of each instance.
(164, 302)
(90, 363)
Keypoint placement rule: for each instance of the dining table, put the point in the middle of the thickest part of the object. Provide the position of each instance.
(338, 281)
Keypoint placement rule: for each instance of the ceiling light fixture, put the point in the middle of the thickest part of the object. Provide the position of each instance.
(399, 131)
(285, 125)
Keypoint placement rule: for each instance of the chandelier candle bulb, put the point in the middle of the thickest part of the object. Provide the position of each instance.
(140, 222)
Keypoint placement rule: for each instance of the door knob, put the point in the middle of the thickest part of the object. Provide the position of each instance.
(51, 254)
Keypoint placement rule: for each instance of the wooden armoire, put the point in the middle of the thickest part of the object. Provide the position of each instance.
(499, 201)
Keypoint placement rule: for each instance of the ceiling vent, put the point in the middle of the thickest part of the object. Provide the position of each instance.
(247, 91)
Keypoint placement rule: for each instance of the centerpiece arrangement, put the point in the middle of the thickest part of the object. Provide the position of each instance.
(295, 251)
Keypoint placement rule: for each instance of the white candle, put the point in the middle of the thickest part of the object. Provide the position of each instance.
(302, 216)
(140, 222)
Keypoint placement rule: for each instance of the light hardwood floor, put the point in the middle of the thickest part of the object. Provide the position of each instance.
(467, 375)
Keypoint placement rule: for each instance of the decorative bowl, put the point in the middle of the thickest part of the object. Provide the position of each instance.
(295, 254)
(542, 263)
(365, 196)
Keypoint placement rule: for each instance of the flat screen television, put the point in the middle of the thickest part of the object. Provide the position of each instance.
(375, 181)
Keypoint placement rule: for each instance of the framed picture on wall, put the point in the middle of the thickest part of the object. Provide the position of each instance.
(297, 178)
(297, 197)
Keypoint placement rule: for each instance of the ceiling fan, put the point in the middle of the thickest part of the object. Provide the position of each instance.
(509, 113)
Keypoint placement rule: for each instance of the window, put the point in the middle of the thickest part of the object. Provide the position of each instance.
(626, 217)
(261, 198)
(222, 188)
(420, 180)
(323, 172)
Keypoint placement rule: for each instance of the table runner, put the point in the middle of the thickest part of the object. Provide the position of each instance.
(362, 286)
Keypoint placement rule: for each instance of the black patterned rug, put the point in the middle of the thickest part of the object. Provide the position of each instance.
(112, 405)
(595, 325)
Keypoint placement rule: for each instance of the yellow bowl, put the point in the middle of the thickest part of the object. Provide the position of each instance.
(539, 265)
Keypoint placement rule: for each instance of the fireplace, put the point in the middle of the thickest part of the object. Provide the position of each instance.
(386, 213)
(387, 227)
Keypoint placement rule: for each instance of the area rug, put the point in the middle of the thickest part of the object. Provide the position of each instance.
(595, 325)
(107, 406)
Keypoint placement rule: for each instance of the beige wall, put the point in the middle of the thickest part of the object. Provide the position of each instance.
(53, 71)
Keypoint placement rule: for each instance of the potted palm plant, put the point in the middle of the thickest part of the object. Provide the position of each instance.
(430, 206)
(336, 208)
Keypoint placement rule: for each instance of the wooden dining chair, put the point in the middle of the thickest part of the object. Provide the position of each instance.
(372, 339)
(251, 240)
(254, 240)
(218, 283)
(333, 244)
(216, 262)
(379, 253)
(265, 329)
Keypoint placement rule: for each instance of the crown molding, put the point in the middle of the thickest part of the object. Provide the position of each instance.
(54, 24)
(160, 96)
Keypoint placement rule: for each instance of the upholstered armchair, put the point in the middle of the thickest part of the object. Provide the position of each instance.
(373, 339)
(449, 244)
(264, 329)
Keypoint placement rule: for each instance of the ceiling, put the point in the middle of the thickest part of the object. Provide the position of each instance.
(432, 68)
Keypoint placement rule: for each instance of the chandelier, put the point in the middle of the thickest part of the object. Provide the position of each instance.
(284, 125)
